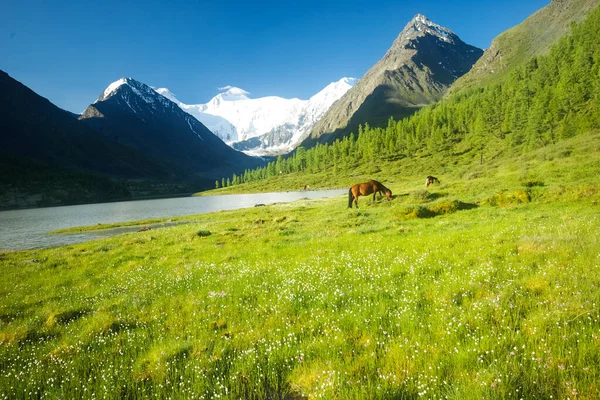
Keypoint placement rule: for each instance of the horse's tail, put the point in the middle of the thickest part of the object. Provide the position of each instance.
(350, 198)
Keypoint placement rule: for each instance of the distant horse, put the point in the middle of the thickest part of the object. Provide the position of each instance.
(431, 180)
(364, 189)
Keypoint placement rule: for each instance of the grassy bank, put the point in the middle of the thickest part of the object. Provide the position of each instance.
(483, 286)
(152, 223)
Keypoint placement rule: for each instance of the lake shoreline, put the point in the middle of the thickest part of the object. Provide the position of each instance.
(116, 200)
(30, 228)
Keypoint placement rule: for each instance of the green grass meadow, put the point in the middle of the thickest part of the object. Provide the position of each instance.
(484, 286)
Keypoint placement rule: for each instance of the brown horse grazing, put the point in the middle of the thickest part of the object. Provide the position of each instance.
(431, 180)
(364, 189)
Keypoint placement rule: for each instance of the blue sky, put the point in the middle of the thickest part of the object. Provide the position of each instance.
(69, 52)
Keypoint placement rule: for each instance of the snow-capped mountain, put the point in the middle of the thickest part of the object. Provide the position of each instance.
(132, 113)
(139, 98)
(264, 126)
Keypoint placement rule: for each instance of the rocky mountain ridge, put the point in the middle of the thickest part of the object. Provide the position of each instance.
(423, 61)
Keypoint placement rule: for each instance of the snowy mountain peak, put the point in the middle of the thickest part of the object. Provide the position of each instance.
(167, 93)
(142, 90)
(341, 85)
(422, 19)
(320, 102)
(112, 88)
(232, 93)
(148, 103)
(421, 24)
(349, 81)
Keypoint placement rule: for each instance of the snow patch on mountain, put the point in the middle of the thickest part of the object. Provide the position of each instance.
(279, 124)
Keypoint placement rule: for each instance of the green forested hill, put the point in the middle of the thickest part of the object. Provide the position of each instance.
(545, 100)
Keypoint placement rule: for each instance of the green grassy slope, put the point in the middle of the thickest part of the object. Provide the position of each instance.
(483, 286)
(533, 37)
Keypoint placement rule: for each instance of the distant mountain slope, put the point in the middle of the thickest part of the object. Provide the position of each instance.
(233, 115)
(132, 113)
(421, 64)
(532, 37)
(264, 126)
(32, 128)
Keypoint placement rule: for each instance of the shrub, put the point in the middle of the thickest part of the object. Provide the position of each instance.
(533, 183)
(422, 196)
(505, 198)
(443, 207)
(416, 212)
